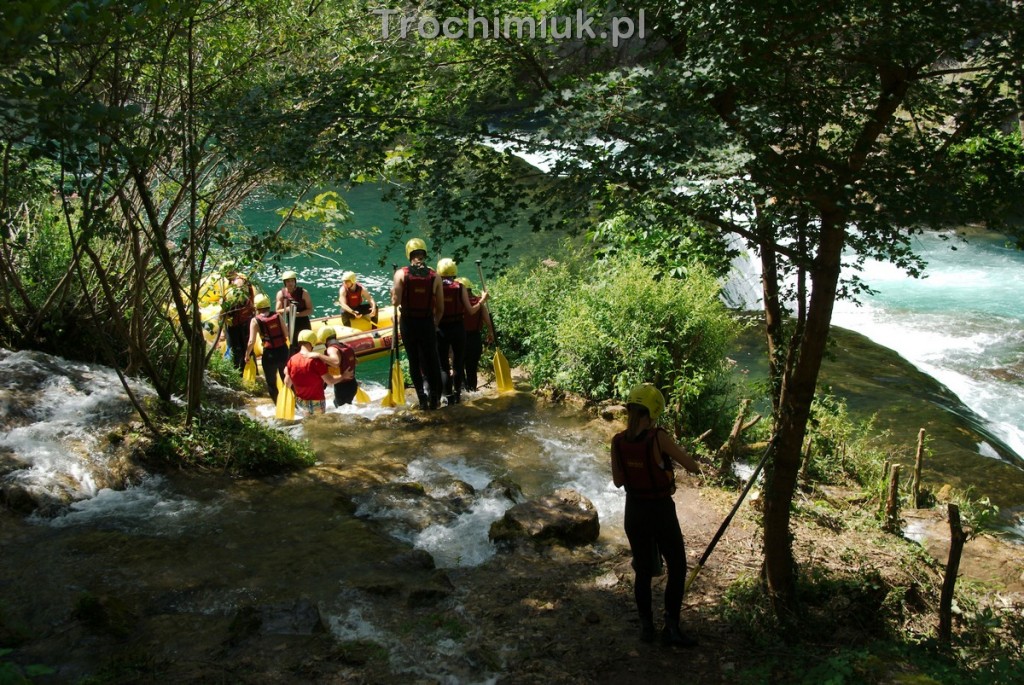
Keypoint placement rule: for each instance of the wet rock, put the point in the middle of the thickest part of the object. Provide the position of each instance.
(413, 559)
(505, 487)
(565, 517)
(612, 412)
(108, 615)
(298, 617)
(439, 588)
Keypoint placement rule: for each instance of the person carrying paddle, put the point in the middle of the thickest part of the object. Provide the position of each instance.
(271, 329)
(451, 331)
(642, 457)
(417, 288)
(292, 294)
(355, 300)
(307, 373)
(341, 362)
(474, 325)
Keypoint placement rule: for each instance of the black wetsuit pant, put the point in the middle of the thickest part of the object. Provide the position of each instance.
(419, 337)
(652, 528)
(474, 348)
(273, 362)
(345, 392)
(237, 338)
(451, 348)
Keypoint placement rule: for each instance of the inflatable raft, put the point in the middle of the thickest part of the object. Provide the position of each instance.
(368, 344)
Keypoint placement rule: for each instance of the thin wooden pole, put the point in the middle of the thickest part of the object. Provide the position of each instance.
(892, 502)
(957, 538)
(915, 486)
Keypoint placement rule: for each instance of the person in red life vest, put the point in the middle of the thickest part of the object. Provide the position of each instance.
(642, 457)
(451, 331)
(292, 294)
(355, 300)
(270, 327)
(474, 324)
(341, 362)
(417, 289)
(238, 313)
(308, 374)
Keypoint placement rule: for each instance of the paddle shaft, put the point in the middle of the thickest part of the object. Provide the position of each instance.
(728, 519)
(483, 286)
(395, 360)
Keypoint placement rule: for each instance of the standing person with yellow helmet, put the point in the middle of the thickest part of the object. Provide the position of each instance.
(474, 325)
(292, 294)
(642, 457)
(355, 300)
(417, 289)
(238, 312)
(341, 362)
(451, 331)
(271, 328)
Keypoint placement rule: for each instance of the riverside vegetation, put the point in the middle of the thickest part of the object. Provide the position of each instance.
(868, 598)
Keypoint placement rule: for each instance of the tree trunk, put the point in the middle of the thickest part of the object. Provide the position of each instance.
(798, 387)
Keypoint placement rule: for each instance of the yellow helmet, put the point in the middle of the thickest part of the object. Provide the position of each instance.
(465, 282)
(289, 276)
(446, 267)
(307, 336)
(325, 333)
(261, 301)
(413, 245)
(348, 277)
(649, 397)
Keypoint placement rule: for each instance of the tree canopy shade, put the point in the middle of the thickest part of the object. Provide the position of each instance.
(817, 134)
(137, 128)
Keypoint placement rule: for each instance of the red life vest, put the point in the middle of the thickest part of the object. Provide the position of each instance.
(243, 313)
(644, 477)
(354, 298)
(347, 356)
(418, 292)
(453, 310)
(473, 322)
(271, 331)
(294, 298)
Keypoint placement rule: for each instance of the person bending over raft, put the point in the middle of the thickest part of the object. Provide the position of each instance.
(272, 331)
(642, 457)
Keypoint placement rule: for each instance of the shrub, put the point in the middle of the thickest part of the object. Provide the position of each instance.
(617, 323)
(234, 442)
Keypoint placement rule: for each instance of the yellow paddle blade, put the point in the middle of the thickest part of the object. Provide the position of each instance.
(249, 372)
(397, 383)
(502, 374)
(285, 408)
(361, 396)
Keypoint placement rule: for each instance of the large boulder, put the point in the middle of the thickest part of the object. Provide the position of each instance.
(565, 517)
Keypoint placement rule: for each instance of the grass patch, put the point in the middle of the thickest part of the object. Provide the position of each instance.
(232, 442)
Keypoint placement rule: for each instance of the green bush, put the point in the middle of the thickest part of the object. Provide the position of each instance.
(596, 330)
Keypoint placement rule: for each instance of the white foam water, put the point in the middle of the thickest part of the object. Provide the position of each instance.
(963, 324)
